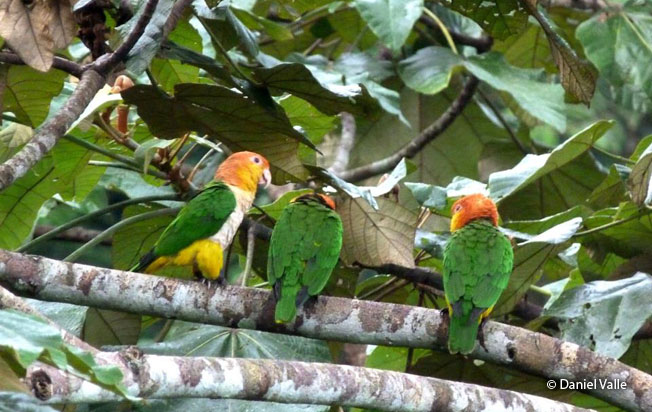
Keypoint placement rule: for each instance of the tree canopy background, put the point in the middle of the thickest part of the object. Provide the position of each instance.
(544, 107)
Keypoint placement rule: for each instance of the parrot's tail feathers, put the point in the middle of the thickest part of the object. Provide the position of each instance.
(462, 335)
(302, 296)
(144, 262)
(286, 308)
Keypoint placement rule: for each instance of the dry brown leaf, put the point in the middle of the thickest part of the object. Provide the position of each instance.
(62, 23)
(376, 237)
(35, 30)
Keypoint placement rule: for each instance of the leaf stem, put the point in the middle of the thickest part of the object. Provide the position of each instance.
(75, 222)
(443, 28)
(638, 215)
(613, 155)
(540, 290)
(110, 231)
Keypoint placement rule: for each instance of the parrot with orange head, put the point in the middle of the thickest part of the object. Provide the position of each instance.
(478, 261)
(205, 227)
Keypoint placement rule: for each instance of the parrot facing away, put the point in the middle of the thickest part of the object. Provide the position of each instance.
(206, 225)
(303, 251)
(478, 260)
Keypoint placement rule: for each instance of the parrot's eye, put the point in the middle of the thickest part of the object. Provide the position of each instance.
(457, 208)
(256, 160)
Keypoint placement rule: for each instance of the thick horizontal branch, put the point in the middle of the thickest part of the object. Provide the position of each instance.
(160, 377)
(418, 143)
(325, 318)
(58, 63)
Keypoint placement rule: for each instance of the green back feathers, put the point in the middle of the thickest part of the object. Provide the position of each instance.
(202, 217)
(304, 249)
(478, 261)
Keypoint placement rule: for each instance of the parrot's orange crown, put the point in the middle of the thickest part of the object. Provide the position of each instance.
(472, 207)
(321, 198)
(245, 170)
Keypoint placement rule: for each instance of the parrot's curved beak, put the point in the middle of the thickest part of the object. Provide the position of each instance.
(266, 178)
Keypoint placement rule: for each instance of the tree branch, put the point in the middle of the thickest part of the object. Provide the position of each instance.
(345, 145)
(418, 143)
(156, 377)
(74, 234)
(594, 5)
(59, 63)
(108, 62)
(50, 131)
(481, 44)
(326, 318)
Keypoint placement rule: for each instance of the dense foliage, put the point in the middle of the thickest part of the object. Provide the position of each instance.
(555, 132)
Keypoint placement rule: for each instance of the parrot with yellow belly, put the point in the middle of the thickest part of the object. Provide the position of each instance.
(478, 261)
(206, 225)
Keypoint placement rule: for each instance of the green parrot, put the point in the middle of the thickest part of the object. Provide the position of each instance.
(478, 260)
(205, 227)
(303, 251)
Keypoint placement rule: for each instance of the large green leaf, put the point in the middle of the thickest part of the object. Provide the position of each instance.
(27, 337)
(429, 70)
(107, 327)
(532, 167)
(604, 315)
(612, 190)
(225, 27)
(58, 171)
(296, 79)
(170, 72)
(500, 18)
(531, 255)
(620, 46)
(456, 152)
(541, 100)
(227, 116)
(12, 138)
(28, 93)
(640, 179)
(390, 20)
(145, 49)
(530, 49)
(630, 237)
(375, 237)
(313, 123)
(68, 316)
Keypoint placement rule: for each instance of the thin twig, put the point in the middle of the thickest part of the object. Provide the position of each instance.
(345, 145)
(110, 231)
(502, 121)
(418, 143)
(58, 63)
(251, 244)
(194, 169)
(442, 27)
(76, 222)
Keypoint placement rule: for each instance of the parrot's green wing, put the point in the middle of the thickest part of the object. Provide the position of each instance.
(478, 261)
(304, 249)
(202, 217)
